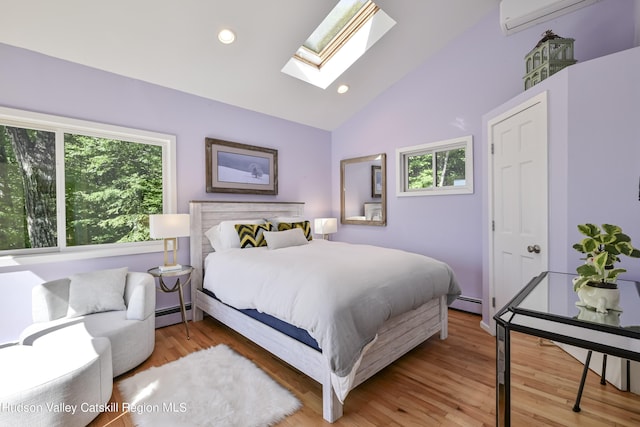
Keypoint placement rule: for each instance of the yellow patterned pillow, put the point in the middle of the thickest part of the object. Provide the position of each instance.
(251, 234)
(304, 225)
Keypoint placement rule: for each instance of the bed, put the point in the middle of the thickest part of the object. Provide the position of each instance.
(396, 336)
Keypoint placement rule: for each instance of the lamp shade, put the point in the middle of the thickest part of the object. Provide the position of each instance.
(163, 226)
(325, 225)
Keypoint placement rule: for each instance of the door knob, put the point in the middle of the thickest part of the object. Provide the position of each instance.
(533, 249)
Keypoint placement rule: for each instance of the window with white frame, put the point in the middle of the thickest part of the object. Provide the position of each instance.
(443, 167)
(75, 186)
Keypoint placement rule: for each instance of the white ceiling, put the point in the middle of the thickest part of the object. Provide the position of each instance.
(173, 43)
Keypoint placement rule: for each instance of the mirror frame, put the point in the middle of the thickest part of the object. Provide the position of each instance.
(383, 199)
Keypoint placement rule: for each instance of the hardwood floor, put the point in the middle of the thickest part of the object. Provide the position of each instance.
(448, 382)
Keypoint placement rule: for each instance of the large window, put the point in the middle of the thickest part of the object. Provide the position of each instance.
(444, 167)
(73, 186)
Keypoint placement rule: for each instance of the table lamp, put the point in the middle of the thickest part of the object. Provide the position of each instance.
(169, 227)
(325, 226)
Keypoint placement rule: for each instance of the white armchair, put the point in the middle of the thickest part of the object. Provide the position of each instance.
(115, 304)
(68, 367)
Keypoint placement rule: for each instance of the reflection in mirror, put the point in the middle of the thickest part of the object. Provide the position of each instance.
(363, 190)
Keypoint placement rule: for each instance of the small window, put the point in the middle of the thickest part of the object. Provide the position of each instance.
(444, 167)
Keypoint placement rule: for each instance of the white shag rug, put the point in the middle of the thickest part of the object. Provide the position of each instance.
(212, 387)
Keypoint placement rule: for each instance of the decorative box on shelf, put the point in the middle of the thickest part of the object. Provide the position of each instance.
(551, 54)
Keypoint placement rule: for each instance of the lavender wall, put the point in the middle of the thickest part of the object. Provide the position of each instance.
(35, 82)
(445, 98)
(594, 147)
(604, 149)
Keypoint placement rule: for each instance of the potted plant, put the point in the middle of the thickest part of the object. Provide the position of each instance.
(602, 248)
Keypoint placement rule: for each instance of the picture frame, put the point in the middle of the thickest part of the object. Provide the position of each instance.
(232, 167)
(376, 181)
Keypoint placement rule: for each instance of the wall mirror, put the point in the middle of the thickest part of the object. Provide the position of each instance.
(363, 190)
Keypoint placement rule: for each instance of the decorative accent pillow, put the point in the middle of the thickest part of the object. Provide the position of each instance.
(278, 219)
(252, 235)
(97, 291)
(224, 235)
(304, 225)
(284, 239)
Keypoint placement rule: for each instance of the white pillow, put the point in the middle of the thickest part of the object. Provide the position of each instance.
(97, 291)
(213, 234)
(286, 238)
(224, 235)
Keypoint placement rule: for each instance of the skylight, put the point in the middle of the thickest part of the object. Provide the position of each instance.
(333, 24)
(352, 27)
(335, 27)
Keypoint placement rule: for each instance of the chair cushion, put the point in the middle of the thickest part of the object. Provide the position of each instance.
(132, 341)
(97, 291)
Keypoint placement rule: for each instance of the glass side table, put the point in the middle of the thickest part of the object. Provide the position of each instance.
(546, 308)
(186, 270)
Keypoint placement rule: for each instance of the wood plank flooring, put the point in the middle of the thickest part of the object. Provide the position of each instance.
(448, 383)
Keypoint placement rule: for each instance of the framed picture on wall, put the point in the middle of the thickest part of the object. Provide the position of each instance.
(232, 167)
(376, 181)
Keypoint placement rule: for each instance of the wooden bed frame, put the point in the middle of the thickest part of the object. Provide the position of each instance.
(396, 337)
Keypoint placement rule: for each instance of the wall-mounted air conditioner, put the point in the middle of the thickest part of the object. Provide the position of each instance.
(516, 15)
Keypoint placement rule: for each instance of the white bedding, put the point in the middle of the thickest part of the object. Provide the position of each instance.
(340, 293)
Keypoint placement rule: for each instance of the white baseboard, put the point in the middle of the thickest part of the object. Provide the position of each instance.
(170, 316)
(487, 329)
(469, 304)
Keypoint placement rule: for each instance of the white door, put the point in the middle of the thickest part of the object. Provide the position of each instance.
(518, 199)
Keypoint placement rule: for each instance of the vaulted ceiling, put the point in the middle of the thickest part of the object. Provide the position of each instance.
(174, 44)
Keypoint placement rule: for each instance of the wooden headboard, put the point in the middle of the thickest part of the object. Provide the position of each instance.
(206, 214)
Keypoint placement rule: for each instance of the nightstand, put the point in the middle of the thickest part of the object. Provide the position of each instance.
(185, 270)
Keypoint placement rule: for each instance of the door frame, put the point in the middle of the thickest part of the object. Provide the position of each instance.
(541, 98)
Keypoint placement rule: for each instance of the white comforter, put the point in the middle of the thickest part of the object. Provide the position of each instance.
(340, 293)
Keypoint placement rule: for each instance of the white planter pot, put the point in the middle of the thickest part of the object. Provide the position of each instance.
(600, 299)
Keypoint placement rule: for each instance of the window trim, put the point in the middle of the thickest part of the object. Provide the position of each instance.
(61, 125)
(402, 155)
(319, 59)
(347, 47)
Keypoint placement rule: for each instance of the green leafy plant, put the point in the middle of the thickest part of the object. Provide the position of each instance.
(602, 247)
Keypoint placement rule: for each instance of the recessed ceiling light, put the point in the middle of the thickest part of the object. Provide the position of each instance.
(226, 36)
(343, 88)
